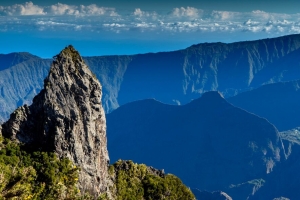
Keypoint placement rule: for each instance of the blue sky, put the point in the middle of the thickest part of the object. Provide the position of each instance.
(112, 27)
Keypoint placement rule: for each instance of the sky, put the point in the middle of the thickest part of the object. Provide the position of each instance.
(119, 27)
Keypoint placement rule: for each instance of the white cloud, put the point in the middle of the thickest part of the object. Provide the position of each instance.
(90, 10)
(250, 22)
(93, 10)
(261, 14)
(114, 25)
(280, 29)
(139, 14)
(225, 15)
(30, 9)
(268, 28)
(57, 9)
(63, 9)
(179, 20)
(253, 29)
(295, 29)
(22, 9)
(187, 12)
(51, 23)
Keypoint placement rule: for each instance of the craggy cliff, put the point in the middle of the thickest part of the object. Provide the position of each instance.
(67, 117)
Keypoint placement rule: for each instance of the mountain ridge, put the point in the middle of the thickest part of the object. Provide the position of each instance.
(179, 76)
(11, 59)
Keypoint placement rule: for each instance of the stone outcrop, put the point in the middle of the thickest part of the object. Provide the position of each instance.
(67, 117)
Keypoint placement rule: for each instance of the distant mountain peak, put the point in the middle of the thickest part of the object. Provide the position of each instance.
(222, 144)
(12, 59)
(212, 94)
(22, 53)
(211, 98)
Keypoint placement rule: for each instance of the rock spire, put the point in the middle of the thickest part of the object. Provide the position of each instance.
(67, 117)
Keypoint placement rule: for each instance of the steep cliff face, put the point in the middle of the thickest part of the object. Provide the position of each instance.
(67, 117)
(181, 76)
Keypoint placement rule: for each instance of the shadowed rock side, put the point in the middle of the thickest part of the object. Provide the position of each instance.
(278, 103)
(215, 142)
(177, 77)
(67, 117)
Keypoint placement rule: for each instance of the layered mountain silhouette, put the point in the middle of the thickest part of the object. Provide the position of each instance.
(171, 77)
(208, 143)
(278, 103)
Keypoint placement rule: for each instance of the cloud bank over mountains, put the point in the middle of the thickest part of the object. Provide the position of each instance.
(184, 19)
(55, 10)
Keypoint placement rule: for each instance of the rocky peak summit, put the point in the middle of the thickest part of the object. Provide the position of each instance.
(67, 117)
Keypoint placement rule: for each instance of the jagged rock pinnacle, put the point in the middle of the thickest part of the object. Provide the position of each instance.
(67, 117)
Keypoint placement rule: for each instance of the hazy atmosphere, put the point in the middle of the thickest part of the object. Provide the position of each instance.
(115, 27)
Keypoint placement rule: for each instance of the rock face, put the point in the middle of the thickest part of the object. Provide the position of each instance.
(67, 117)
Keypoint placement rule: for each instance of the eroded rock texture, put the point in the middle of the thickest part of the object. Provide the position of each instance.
(67, 117)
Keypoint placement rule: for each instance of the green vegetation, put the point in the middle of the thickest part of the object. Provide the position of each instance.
(138, 182)
(35, 175)
(69, 50)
